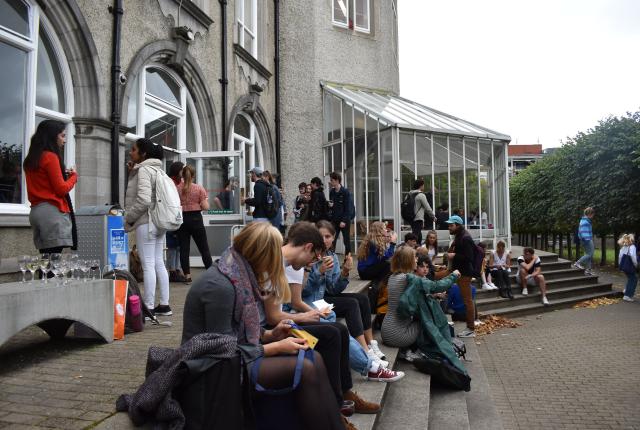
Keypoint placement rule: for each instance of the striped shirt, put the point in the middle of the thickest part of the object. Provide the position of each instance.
(584, 231)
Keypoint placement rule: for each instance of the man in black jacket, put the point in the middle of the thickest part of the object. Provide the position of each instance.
(318, 205)
(259, 199)
(340, 203)
(461, 254)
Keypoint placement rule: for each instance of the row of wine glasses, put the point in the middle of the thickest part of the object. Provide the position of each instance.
(63, 266)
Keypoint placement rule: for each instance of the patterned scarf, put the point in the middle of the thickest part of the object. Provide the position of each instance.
(248, 296)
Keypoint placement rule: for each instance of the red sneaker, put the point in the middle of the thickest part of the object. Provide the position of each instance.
(385, 375)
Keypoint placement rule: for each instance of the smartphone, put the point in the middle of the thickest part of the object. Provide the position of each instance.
(298, 332)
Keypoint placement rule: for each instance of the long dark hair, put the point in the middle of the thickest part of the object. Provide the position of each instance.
(149, 149)
(44, 139)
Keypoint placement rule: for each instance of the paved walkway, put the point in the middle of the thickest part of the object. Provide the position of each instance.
(568, 369)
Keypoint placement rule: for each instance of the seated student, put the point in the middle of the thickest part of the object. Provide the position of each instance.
(455, 304)
(326, 281)
(530, 274)
(411, 240)
(398, 331)
(500, 266)
(487, 285)
(228, 299)
(373, 254)
(303, 246)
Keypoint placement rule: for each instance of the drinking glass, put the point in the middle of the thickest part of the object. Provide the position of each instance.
(32, 265)
(94, 267)
(84, 266)
(73, 264)
(22, 264)
(56, 266)
(44, 266)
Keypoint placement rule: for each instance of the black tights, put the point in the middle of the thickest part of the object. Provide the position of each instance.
(354, 308)
(314, 398)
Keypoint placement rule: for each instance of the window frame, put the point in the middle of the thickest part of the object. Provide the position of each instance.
(29, 44)
(256, 155)
(356, 27)
(242, 27)
(333, 16)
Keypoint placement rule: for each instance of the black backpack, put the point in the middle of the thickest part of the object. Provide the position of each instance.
(408, 207)
(319, 206)
(272, 203)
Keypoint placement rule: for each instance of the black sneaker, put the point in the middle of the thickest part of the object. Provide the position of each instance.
(164, 310)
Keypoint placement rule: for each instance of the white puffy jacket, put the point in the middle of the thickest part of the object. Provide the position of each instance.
(140, 193)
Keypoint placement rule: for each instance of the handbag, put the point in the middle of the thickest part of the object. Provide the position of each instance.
(626, 264)
(275, 407)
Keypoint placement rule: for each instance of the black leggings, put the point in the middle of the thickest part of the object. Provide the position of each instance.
(314, 398)
(354, 308)
(376, 272)
(333, 345)
(346, 236)
(501, 278)
(193, 226)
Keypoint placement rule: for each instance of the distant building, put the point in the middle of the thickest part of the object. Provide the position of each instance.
(522, 156)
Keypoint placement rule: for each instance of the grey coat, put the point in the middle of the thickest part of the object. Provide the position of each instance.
(140, 193)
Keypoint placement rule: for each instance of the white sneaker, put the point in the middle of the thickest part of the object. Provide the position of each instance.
(525, 292)
(493, 286)
(467, 333)
(477, 323)
(545, 302)
(374, 347)
(578, 266)
(628, 299)
(486, 287)
(374, 358)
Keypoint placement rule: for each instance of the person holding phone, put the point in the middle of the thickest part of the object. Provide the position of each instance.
(229, 299)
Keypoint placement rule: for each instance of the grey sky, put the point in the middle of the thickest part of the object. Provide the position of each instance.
(532, 69)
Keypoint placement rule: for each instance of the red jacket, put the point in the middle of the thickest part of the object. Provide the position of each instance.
(46, 184)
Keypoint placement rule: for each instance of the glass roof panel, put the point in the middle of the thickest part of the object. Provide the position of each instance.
(404, 113)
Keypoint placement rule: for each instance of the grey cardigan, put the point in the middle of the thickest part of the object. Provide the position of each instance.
(140, 193)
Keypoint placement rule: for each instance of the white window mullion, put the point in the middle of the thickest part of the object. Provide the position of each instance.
(254, 28)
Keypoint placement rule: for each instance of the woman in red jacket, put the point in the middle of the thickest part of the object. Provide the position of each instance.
(48, 186)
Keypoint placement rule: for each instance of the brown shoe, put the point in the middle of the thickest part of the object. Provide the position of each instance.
(361, 405)
(347, 424)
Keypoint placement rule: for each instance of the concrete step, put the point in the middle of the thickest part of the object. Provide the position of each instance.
(536, 308)
(374, 391)
(407, 403)
(555, 273)
(448, 409)
(481, 410)
(489, 305)
(546, 265)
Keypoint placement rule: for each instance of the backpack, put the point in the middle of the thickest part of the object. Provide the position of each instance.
(478, 258)
(408, 207)
(272, 203)
(166, 211)
(352, 206)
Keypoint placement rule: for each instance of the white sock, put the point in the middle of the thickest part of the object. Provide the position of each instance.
(375, 366)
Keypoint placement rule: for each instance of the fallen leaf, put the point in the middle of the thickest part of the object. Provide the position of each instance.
(493, 323)
(594, 303)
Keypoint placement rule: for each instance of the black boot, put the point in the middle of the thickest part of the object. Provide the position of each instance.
(502, 292)
(509, 293)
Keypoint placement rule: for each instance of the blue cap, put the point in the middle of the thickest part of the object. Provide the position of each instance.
(455, 219)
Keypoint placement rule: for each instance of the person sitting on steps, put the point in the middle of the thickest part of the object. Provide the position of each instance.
(500, 265)
(530, 274)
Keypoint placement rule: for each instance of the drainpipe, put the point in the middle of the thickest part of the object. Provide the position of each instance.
(276, 75)
(224, 81)
(116, 80)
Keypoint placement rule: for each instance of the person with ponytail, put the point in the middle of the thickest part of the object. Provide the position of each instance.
(48, 185)
(194, 200)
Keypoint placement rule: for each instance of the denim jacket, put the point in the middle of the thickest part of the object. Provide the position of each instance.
(317, 283)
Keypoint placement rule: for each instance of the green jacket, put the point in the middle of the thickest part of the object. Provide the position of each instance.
(416, 302)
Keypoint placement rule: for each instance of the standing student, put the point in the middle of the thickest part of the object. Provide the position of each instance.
(628, 247)
(194, 200)
(173, 242)
(585, 234)
(318, 206)
(424, 213)
(301, 202)
(259, 199)
(48, 185)
(278, 220)
(146, 160)
(341, 202)
(461, 254)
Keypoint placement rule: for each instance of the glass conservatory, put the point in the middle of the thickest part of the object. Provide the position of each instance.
(382, 143)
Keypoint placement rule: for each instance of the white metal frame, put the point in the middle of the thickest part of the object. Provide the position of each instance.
(366, 29)
(254, 153)
(344, 5)
(243, 26)
(29, 44)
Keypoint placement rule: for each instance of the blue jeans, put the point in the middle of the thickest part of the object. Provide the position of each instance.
(587, 259)
(632, 283)
(173, 258)
(359, 361)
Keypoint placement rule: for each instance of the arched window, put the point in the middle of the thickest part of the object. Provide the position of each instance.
(245, 138)
(161, 109)
(35, 85)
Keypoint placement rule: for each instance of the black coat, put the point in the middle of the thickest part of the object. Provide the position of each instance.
(463, 246)
(341, 210)
(259, 199)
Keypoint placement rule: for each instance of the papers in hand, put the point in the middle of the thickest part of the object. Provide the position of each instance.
(321, 304)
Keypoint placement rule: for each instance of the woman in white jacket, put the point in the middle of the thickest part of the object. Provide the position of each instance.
(146, 157)
(627, 247)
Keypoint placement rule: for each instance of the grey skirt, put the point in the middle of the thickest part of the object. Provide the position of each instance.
(51, 228)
